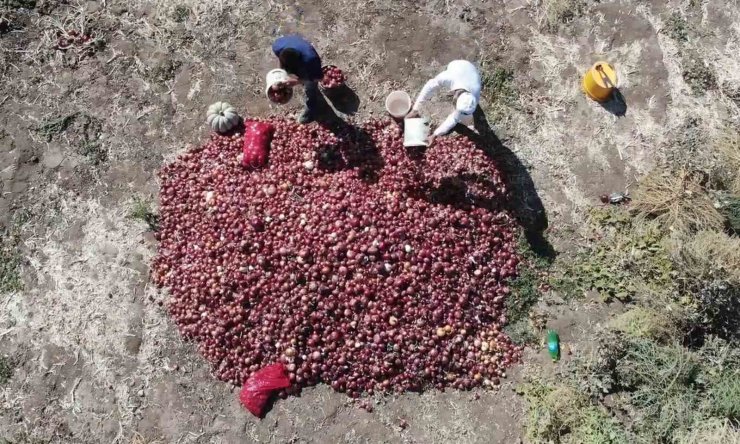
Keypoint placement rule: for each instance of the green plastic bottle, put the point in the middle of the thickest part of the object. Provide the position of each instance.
(553, 345)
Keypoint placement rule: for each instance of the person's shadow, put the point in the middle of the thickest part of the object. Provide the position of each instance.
(343, 99)
(524, 202)
(334, 105)
(357, 152)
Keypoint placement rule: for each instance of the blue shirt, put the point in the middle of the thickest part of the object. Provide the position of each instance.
(311, 66)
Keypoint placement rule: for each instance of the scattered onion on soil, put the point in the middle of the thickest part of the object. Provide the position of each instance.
(355, 262)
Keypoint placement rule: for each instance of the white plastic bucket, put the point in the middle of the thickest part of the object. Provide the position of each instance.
(398, 104)
(274, 77)
(415, 131)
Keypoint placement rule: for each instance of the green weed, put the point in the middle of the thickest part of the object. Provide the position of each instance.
(499, 91)
(685, 287)
(181, 13)
(647, 363)
(558, 413)
(595, 273)
(525, 293)
(6, 370)
(663, 384)
(83, 131)
(625, 253)
(730, 209)
(94, 152)
(562, 12)
(141, 210)
(725, 394)
(697, 74)
(10, 262)
(498, 85)
(164, 71)
(676, 27)
(15, 4)
(522, 332)
(50, 128)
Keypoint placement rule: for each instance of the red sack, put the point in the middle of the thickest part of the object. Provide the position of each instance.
(258, 388)
(257, 137)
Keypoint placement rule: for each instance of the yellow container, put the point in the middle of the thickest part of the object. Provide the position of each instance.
(600, 81)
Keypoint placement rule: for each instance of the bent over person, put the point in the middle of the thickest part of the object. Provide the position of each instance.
(301, 61)
(462, 79)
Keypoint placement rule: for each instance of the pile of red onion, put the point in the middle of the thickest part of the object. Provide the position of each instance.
(333, 77)
(349, 258)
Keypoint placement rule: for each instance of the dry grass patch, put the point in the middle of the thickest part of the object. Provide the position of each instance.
(561, 414)
(562, 12)
(708, 256)
(711, 431)
(727, 148)
(710, 279)
(677, 201)
(645, 323)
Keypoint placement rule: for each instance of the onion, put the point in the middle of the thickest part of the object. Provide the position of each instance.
(351, 260)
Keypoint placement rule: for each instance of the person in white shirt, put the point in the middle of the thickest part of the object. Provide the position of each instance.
(463, 80)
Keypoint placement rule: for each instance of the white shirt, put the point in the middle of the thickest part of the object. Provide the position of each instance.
(460, 74)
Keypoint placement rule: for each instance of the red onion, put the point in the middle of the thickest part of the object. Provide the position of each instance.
(377, 269)
(333, 77)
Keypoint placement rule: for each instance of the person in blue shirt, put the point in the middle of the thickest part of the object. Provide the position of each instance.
(299, 58)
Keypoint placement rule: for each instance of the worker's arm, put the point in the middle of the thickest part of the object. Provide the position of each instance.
(426, 92)
(449, 123)
(290, 83)
(293, 80)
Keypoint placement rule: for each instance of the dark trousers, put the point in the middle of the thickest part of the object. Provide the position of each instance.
(312, 95)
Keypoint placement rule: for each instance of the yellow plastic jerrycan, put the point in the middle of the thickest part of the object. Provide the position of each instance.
(600, 81)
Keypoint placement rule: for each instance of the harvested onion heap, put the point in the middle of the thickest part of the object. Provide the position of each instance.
(348, 258)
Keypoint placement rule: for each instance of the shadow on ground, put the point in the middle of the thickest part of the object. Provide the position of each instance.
(525, 203)
(357, 151)
(343, 99)
(616, 104)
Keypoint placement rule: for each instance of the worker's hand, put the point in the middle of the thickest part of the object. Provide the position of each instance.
(413, 113)
(431, 139)
(292, 81)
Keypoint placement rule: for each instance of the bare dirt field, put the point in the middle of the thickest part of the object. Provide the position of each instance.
(85, 127)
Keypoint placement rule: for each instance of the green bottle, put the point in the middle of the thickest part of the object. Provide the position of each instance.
(553, 345)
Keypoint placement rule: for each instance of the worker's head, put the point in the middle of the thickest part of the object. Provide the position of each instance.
(465, 102)
(290, 60)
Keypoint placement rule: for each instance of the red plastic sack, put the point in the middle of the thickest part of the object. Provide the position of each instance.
(258, 388)
(257, 137)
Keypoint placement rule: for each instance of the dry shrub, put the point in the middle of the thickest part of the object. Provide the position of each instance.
(562, 12)
(707, 256)
(645, 323)
(563, 414)
(678, 201)
(709, 265)
(727, 147)
(711, 431)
